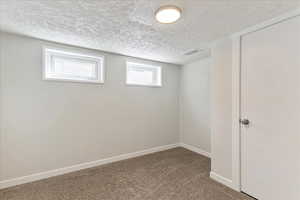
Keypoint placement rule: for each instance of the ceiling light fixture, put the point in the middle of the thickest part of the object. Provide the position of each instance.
(168, 14)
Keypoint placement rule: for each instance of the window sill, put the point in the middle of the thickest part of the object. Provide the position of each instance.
(140, 85)
(74, 81)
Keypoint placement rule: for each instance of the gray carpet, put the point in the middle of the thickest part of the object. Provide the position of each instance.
(176, 174)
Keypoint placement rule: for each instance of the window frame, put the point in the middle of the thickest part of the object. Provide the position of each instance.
(49, 51)
(156, 67)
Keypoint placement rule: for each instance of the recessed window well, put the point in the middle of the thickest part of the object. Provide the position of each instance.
(143, 75)
(68, 66)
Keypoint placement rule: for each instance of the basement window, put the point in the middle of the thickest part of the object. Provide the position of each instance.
(143, 75)
(67, 66)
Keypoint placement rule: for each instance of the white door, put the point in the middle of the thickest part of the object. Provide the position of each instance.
(270, 100)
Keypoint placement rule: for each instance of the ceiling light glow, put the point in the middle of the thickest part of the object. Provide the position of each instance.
(168, 14)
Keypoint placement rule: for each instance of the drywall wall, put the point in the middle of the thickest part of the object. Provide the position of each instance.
(221, 108)
(195, 108)
(48, 125)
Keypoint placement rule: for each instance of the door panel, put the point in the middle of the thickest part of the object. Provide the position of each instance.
(270, 99)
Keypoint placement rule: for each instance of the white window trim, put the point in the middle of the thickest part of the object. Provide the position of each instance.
(146, 66)
(74, 54)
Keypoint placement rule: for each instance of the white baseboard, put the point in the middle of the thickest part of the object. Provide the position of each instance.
(195, 149)
(222, 180)
(225, 181)
(56, 172)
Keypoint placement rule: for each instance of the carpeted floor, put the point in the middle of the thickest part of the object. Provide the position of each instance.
(176, 174)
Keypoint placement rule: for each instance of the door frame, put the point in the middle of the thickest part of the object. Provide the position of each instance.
(236, 91)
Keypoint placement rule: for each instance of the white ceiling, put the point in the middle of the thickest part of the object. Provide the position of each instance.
(128, 26)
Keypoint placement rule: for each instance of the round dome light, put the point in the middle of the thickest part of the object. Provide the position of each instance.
(168, 14)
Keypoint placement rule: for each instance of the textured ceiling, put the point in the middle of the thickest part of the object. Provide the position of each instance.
(128, 26)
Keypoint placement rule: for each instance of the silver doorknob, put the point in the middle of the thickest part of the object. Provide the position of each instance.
(244, 121)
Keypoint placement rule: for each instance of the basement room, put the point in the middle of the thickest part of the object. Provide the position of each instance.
(149, 100)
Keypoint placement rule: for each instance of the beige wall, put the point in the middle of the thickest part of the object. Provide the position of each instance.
(221, 108)
(49, 125)
(195, 110)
